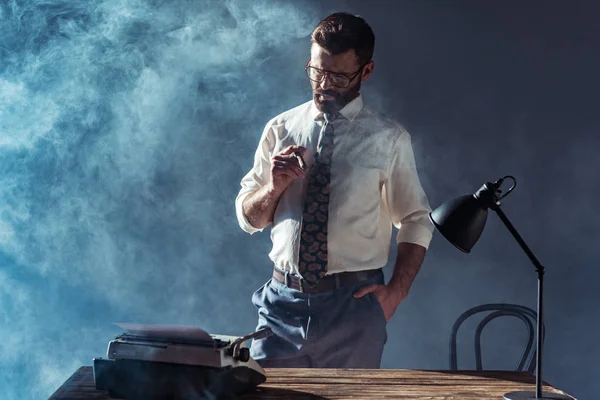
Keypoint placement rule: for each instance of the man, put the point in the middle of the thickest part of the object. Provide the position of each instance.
(332, 177)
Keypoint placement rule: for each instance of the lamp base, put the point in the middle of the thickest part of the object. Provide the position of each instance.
(530, 395)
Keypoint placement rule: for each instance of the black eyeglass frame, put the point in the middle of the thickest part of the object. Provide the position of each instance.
(329, 73)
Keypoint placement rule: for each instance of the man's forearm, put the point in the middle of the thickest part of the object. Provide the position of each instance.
(408, 262)
(260, 206)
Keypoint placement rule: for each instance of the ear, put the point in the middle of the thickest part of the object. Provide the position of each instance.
(368, 70)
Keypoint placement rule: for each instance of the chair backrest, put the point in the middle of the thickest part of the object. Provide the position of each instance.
(525, 314)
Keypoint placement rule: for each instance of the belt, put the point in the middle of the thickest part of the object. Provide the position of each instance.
(328, 282)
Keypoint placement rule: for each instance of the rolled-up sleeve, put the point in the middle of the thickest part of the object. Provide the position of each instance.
(406, 200)
(256, 178)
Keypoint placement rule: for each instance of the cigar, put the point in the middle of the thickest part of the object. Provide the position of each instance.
(300, 160)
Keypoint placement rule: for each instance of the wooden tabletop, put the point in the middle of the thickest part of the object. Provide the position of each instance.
(356, 384)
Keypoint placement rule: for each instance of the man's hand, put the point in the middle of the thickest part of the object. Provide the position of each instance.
(285, 167)
(259, 207)
(388, 298)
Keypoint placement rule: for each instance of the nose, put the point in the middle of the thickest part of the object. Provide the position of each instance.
(325, 84)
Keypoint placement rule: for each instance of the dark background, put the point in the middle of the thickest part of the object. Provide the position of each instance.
(125, 127)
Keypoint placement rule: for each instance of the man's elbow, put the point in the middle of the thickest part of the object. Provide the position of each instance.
(257, 223)
(250, 226)
(246, 220)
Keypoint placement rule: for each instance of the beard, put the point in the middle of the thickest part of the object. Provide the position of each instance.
(337, 100)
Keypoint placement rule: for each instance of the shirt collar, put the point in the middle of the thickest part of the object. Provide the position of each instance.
(350, 110)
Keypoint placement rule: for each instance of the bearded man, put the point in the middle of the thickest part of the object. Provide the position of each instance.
(332, 177)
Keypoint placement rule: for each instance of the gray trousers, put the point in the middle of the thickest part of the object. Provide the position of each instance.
(325, 330)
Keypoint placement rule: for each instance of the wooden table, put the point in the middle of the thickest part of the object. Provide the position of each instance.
(356, 384)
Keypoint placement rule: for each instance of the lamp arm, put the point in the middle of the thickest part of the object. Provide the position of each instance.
(519, 239)
(540, 271)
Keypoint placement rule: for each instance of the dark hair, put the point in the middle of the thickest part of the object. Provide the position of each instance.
(341, 32)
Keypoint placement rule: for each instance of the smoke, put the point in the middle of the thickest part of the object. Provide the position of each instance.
(123, 128)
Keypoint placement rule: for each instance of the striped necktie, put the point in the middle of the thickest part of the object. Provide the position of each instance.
(312, 257)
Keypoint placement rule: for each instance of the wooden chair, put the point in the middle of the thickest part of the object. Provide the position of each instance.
(525, 314)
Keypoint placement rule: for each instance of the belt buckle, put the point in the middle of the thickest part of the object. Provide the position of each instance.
(286, 281)
(300, 285)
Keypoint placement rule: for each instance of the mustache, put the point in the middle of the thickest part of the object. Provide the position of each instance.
(328, 93)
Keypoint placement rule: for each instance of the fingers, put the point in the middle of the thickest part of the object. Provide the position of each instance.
(288, 167)
(293, 149)
(281, 171)
(289, 162)
(365, 290)
(292, 160)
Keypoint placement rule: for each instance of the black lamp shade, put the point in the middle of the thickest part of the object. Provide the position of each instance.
(461, 221)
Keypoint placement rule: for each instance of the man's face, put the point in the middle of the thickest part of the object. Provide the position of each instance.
(327, 97)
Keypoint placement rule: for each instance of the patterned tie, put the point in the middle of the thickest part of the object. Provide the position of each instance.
(312, 258)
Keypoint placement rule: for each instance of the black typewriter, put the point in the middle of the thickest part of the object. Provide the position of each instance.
(175, 362)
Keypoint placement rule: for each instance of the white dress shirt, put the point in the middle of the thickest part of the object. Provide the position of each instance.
(374, 184)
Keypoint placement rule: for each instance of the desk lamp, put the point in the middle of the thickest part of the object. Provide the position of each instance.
(461, 222)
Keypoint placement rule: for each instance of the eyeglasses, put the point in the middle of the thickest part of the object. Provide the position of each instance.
(337, 79)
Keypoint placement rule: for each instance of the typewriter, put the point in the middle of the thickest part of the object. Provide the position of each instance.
(177, 362)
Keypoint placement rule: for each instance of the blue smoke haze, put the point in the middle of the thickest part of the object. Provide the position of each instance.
(126, 125)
